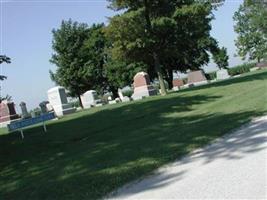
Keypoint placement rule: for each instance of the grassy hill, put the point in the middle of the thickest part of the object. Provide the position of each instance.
(89, 154)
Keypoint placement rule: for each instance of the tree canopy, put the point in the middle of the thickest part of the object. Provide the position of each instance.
(4, 59)
(78, 55)
(166, 35)
(158, 37)
(251, 27)
(221, 58)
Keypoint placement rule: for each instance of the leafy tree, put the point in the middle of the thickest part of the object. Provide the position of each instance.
(166, 35)
(251, 26)
(4, 59)
(78, 55)
(221, 58)
(121, 74)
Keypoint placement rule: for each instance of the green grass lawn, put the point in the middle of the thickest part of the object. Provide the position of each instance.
(89, 154)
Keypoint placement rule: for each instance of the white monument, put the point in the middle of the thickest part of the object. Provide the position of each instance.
(222, 74)
(142, 87)
(90, 99)
(58, 100)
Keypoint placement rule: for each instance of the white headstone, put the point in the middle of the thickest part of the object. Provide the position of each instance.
(126, 99)
(120, 94)
(58, 100)
(222, 74)
(24, 111)
(112, 102)
(49, 107)
(90, 99)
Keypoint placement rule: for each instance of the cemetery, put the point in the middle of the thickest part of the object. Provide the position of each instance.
(100, 146)
(58, 101)
(140, 99)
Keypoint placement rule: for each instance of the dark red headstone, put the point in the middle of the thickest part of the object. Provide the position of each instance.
(261, 64)
(7, 112)
(177, 83)
(141, 79)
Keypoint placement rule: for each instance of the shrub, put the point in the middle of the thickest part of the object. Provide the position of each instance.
(127, 93)
(156, 85)
(210, 75)
(75, 104)
(36, 112)
(240, 69)
(185, 80)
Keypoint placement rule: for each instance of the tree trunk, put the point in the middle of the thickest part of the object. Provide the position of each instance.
(80, 100)
(170, 79)
(160, 76)
(155, 56)
(114, 91)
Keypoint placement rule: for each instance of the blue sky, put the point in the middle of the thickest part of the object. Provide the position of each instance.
(26, 37)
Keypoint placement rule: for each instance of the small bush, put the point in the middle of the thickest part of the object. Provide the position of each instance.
(127, 93)
(210, 75)
(35, 112)
(156, 85)
(240, 69)
(185, 80)
(75, 104)
(105, 98)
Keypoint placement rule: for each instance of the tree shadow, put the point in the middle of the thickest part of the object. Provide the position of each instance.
(97, 152)
(249, 139)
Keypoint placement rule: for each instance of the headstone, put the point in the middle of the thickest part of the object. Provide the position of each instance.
(33, 114)
(58, 99)
(7, 112)
(112, 102)
(262, 64)
(118, 100)
(43, 107)
(110, 98)
(24, 111)
(120, 94)
(49, 107)
(177, 84)
(197, 78)
(90, 99)
(222, 74)
(142, 87)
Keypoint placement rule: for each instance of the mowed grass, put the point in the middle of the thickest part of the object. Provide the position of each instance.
(89, 154)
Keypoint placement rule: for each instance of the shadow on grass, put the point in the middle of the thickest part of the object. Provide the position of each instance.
(249, 139)
(90, 156)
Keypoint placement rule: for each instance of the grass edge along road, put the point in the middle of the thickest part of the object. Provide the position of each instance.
(89, 154)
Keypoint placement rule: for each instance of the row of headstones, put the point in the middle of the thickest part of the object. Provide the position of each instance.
(45, 107)
(197, 78)
(142, 88)
(8, 111)
(58, 99)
